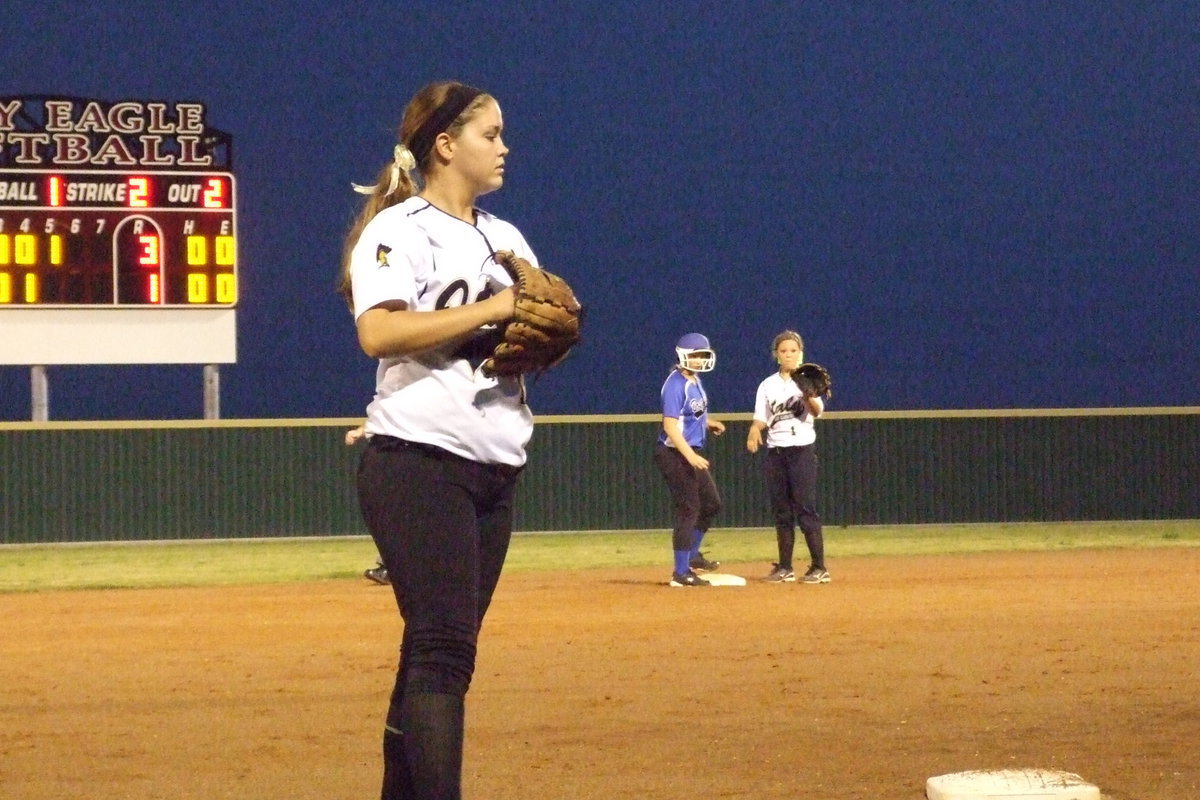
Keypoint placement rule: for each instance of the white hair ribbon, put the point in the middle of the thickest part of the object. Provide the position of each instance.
(402, 159)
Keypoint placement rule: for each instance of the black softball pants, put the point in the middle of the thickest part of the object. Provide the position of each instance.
(442, 524)
(791, 474)
(694, 495)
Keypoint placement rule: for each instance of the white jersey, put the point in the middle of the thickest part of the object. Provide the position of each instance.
(773, 407)
(418, 254)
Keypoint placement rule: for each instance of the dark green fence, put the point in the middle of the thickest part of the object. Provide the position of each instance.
(68, 483)
(77, 482)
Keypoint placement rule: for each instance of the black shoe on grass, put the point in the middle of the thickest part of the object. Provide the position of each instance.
(377, 575)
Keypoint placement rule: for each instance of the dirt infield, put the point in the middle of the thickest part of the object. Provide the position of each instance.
(607, 684)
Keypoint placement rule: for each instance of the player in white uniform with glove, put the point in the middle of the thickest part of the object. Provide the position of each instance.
(445, 443)
(786, 416)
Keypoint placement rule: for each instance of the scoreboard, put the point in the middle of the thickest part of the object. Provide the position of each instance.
(118, 233)
(112, 238)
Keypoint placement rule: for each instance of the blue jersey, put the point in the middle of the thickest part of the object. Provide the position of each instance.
(686, 401)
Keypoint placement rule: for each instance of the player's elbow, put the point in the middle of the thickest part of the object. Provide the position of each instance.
(374, 345)
(371, 349)
(373, 334)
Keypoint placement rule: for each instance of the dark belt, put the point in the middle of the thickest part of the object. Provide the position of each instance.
(381, 441)
(390, 444)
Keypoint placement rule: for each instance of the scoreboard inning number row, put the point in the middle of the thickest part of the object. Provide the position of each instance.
(112, 238)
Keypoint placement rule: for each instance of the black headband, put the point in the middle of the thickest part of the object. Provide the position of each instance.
(456, 102)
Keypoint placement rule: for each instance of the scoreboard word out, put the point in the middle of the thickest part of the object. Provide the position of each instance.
(121, 209)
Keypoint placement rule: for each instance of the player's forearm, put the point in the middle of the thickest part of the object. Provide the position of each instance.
(387, 334)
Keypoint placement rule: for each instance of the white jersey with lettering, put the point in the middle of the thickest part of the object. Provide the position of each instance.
(418, 254)
(773, 405)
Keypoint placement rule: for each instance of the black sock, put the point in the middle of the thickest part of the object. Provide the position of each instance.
(816, 548)
(787, 546)
(396, 783)
(433, 744)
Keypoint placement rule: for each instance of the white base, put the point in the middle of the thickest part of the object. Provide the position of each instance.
(717, 579)
(1010, 784)
(723, 579)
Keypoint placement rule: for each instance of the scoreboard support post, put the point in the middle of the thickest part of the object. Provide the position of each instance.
(39, 393)
(212, 391)
(39, 390)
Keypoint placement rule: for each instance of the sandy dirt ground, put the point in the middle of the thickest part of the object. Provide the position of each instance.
(607, 684)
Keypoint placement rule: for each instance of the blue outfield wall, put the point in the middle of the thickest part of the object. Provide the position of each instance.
(132, 481)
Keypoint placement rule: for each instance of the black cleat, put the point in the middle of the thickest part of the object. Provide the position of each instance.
(377, 575)
(816, 575)
(781, 575)
(688, 578)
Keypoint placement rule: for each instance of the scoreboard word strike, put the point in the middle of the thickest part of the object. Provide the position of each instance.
(114, 205)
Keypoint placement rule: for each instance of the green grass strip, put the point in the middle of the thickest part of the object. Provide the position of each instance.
(27, 568)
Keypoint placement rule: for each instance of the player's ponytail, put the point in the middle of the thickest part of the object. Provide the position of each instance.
(393, 185)
(438, 108)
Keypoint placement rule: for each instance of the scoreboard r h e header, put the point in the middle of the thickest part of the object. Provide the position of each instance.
(125, 204)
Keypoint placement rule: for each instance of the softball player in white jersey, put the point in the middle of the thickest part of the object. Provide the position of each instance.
(444, 443)
(781, 410)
